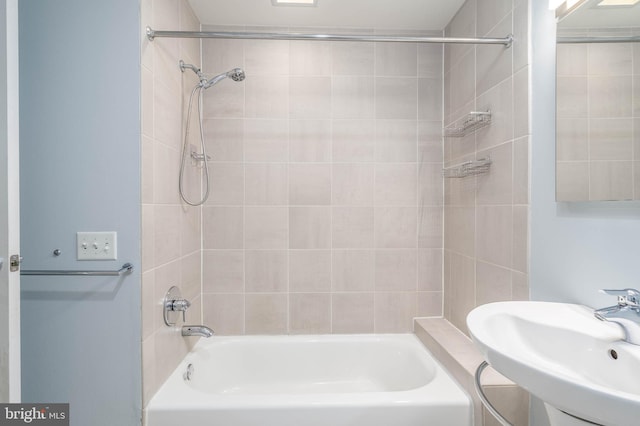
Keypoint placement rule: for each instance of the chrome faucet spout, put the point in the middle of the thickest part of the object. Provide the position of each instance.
(626, 313)
(197, 330)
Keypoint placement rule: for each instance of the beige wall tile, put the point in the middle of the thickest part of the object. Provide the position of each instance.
(266, 227)
(430, 60)
(396, 59)
(266, 96)
(430, 270)
(223, 227)
(352, 184)
(191, 280)
(266, 184)
(266, 57)
(310, 97)
(309, 184)
(462, 290)
(494, 63)
(310, 140)
(493, 283)
(224, 139)
(396, 270)
(611, 139)
(149, 311)
(191, 230)
(610, 96)
(396, 98)
(266, 271)
(220, 55)
(611, 180)
(396, 227)
(226, 184)
(165, 191)
(499, 100)
(396, 184)
(610, 59)
(352, 312)
(571, 95)
(496, 187)
(310, 313)
(352, 270)
(266, 140)
(572, 139)
(429, 99)
(430, 184)
(429, 304)
(223, 271)
(228, 101)
(521, 103)
(266, 313)
(353, 97)
(572, 181)
(394, 312)
(309, 271)
(571, 59)
(460, 229)
(353, 58)
(310, 58)
(224, 313)
(396, 141)
(353, 140)
(352, 227)
(430, 226)
(166, 235)
(309, 227)
(495, 234)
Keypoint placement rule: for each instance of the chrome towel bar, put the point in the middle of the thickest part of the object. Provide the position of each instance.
(127, 268)
(483, 398)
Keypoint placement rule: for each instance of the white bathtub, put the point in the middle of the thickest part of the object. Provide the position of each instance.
(328, 380)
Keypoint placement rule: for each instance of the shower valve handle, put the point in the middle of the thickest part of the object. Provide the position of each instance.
(180, 305)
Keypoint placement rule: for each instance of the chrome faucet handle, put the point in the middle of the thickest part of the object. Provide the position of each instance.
(180, 305)
(626, 297)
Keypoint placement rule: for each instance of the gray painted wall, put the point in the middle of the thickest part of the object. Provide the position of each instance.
(80, 171)
(576, 248)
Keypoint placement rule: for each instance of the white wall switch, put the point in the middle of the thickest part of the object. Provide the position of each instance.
(97, 245)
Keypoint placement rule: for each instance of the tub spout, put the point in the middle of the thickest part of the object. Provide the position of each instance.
(197, 330)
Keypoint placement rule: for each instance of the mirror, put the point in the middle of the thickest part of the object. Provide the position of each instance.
(598, 102)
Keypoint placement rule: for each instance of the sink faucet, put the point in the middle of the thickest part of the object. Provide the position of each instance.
(197, 330)
(626, 313)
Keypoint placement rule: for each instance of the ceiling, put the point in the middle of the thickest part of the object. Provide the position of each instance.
(590, 15)
(371, 14)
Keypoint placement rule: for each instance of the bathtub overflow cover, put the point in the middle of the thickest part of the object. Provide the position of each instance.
(188, 373)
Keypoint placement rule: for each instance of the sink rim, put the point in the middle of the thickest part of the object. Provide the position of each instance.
(577, 395)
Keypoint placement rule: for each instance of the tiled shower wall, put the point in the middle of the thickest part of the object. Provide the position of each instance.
(171, 232)
(486, 217)
(325, 214)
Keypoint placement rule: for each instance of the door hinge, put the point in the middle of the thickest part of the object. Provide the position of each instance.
(14, 262)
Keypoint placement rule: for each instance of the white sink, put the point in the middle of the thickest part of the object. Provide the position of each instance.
(563, 355)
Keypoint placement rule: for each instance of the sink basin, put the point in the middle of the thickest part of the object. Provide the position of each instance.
(563, 355)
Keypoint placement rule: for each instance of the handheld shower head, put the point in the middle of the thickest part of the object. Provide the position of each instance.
(236, 74)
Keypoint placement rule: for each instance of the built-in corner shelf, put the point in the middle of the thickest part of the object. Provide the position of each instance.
(469, 168)
(473, 121)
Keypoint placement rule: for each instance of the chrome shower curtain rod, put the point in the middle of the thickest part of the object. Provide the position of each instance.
(567, 40)
(151, 34)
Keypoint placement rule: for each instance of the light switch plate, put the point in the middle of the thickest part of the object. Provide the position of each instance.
(97, 245)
